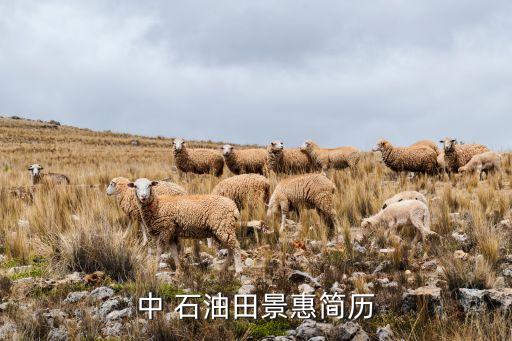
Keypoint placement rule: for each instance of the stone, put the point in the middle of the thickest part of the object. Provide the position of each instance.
(382, 266)
(75, 296)
(385, 333)
(71, 278)
(19, 269)
(310, 328)
(472, 300)
(113, 329)
(299, 276)
(57, 334)
(247, 289)
(119, 314)
(348, 331)
(431, 296)
(249, 262)
(101, 293)
(164, 277)
(306, 289)
(6, 330)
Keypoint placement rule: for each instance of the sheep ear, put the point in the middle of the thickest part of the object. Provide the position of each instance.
(29, 168)
(441, 141)
(131, 185)
(154, 183)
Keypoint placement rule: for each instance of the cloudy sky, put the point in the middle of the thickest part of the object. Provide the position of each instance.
(339, 72)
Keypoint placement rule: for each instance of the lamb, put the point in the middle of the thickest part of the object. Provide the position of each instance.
(485, 162)
(244, 189)
(398, 215)
(406, 195)
(128, 203)
(458, 155)
(197, 160)
(170, 218)
(53, 178)
(241, 161)
(427, 143)
(308, 190)
(289, 161)
(418, 158)
(337, 158)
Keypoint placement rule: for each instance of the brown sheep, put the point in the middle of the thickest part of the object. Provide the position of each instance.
(197, 160)
(289, 160)
(419, 158)
(427, 143)
(241, 161)
(53, 178)
(458, 155)
(335, 158)
(244, 189)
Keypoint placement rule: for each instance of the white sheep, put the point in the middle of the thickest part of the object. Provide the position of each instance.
(485, 162)
(406, 195)
(244, 189)
(408, 213)
(197, 160)
(37, 176)
(308, 190)
(171, 218)
(289, 160)
(241, 161)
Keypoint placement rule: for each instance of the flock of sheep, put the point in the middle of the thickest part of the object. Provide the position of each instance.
(167, 213)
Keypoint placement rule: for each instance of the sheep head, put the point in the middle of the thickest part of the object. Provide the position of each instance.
(142, 188)
(35, 169)
(448, 144)
(178, 143)
(113, 185)
(381, 145)
(227, 149)
(275, 146)
(308, 145)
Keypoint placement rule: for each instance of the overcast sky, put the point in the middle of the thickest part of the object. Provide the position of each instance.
(339, 72)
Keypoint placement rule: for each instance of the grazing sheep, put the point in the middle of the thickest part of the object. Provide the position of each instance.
(403, 214)
(241, 161)
(244, 189)
(411, 159)
(337, 158)
(54, 178)
(309, 190)
(197, 160)
(406, 195)
(427, 143)
(458, 155)
(485, 162)
(128, 203)
(289, 160)
(170, 218)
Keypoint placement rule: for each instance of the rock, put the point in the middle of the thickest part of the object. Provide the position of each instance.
(119, 314)
(306, 289)
(247, 289)
(299, 276)
(53, 317)
(249, 262)
(19, 269)
(507, 272)
(472, 300)
(382, 266)
(337, 288)
(76, 296)
(113, 329)
(348, 331)
(6, 330)
(279, 338)
(164, 277)
(101, 293)
(162, 265)
(385, 333)
(111, 305)
(57, 334)
(71, 278)
(358, 248)
(459, 254)
(310, 328)
(431, 296)
(500, 298)
(317, 338)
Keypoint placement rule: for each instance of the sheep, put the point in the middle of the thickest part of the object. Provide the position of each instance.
(244, 189)
(427, 143)
(337, 158)
(441, 163)
(485, 162)
(170, 218)
(309, 190)
(418, 158)
(241, 161)
(54, 178)
(458, 155)
(398, 215)
(197, 160)
(128, 203)
(406, 195)
(289, 160)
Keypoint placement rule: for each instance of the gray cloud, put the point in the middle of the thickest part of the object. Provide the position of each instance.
(250, 72)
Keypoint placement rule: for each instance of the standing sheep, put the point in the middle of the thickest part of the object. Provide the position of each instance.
(241, 161)
(458, 155)
(55, 178)
(406, 195)
(308, 190)
(170, 218)
(128, 203)
(289, 160)
(427, 143)
(336, 158)
(412, 159)
(244, 189)
(398, 215)
(485, 162)
(197, 160)
(441, 163)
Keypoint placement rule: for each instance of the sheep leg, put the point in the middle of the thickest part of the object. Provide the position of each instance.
(209, 242)
(228, 260)
(197, 249)
(284, 213)
(175, 256)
